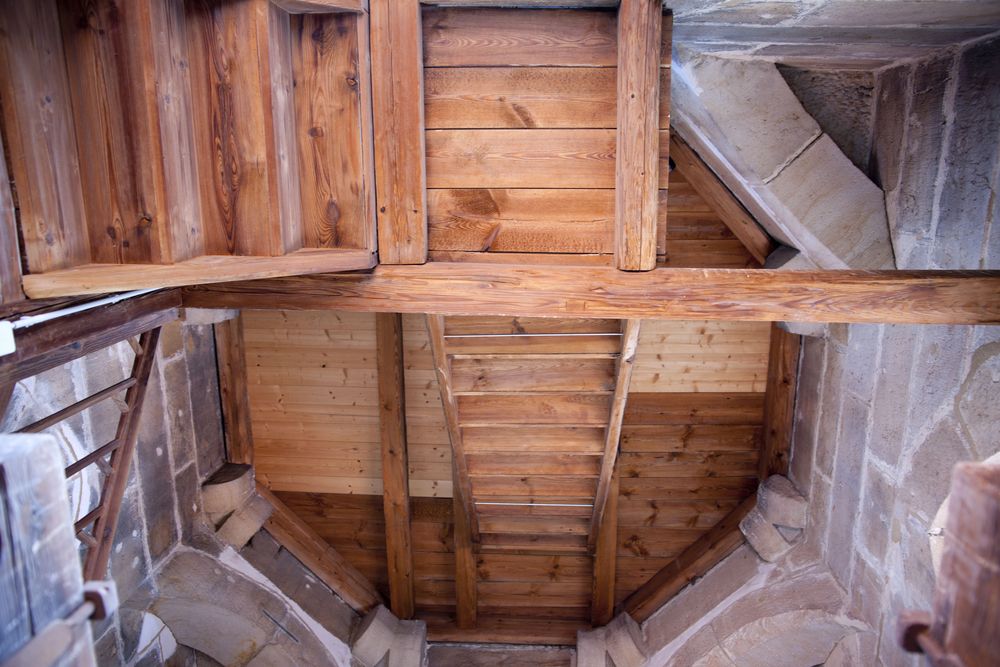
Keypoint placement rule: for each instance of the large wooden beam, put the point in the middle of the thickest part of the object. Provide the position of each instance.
(395, 475)
(638, 134)
(779, 402)
(725, 204)
(606, 560)
(55, 342)
(315, 553)
(692, 563)
(630, 341)
(230, 353)
(466, 592)
(10, 256)
(913, 297)
(398, 108)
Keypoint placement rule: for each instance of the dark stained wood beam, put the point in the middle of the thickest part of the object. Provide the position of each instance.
(638, 135)
(293, 534)
(693, 562)
(779, 402)
(230, 353)
(605, 560)
(395, 469)
(612, 436)
(723, 202)
(56, 342)
(466, 590)
(913, 297)
(10, 256)
(398, 111)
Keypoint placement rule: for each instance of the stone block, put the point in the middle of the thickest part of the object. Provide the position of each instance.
(382, 635)
(779, 502)
(938, 373)
(978, 404)
(178, 407)
(207, 316)
(129, 566)
(206, 411)
(808, 407)
(230, 487)
(876, 512)
(799, 637)
(929, 479)
(891, 397)
(156, 472)
(171, 340)
(891, 101)
(837, 203)
(763, 536)
(187, 485)
(763, 120)
(244, 523)
(106, 649)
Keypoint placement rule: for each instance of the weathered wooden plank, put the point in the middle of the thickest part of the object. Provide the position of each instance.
(505, 629)
(230, 351)
(602, 603)
(316, 554)
(484, 37)
(684, 464)
(397, 103)
(569, 408)
(335, 164)
(694, 408)
(779, 402)
(722, 201)
(466, 592)
(395, 466)
(623, 378)
(642, 489)
(638, 135)
(322, 6)
(535, 486)
(697, 559)
(532, 374)
(690, 438)
(521, 438)
(531, 344)
(10, 255)
(463, 326)
(37, 104)
(533, 464)
(520, 159)
(939, 297)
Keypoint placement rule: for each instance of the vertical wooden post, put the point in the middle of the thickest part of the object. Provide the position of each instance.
(605, 561)
(395, 477)
(10, 257)
(779, 402)
(638, 140)
(466, 594)
(398, 113)
(230, 352)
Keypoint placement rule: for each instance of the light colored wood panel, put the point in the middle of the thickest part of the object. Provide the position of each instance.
(520, 220)
(533, 374)
(520, 438)
(483, 37)
(550, 344)
(529, 594)
(536, 486)
(520, 258)
(37, 104)
(548, 508)
(655, 542)
(504, 629)
(237, 415)
(533, 525)
(688, 514)
(683, 464)
(540, 408)
(520, 159)
(694, 408)
(529, 544)
(687, 437)
(397, 105)
(503, 567)
(706, 253)
(602, 599)
(533, 464)
(458, 325)
(334, 167)
(686, 488)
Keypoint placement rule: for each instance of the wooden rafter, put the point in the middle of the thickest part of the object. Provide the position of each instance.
(623, 377)
(914, 297)
(606, 560)
(230, 353)
(725, 204)
(398, 106)
(466, 590)
(638, 134)
(779, 402)
(395, 475)
(692, 563)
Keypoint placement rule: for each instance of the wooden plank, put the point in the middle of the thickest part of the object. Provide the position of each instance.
(395, 466)
(463, 326)
(695, 561)
(489, 487)
(569, 408)
(779, 402)
(683, 409)
(532, 374)
(397, 102)
(36, 90)
(504, 629)
(533, 525)
(623, 378)
(335, 166)
(462, 483)
(690, 437)
(533, 344)
(916, 297)
(520, 159)
(10, 255)
(282, 85)
(322, 6)
(638, 136)
(56, 342)
(316, 554)
(533, 464)
(485, 37)
(683, 464)
(521, 220)
(529, 438)
(722, 201)
(544, 259)
(230, 351)
(642, 489)
(103, 278)
(602, 605)
(553, 544)
(466, 591)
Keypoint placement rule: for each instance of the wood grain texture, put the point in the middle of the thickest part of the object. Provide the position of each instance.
(38, 104)
(682, 409)
(466, 587)
(722, 201)
(520, 159)
(335, 164)
(395, 466)
(484, 37)
(938, 297)
(397, 103)
(463, 326)
(697, 559)
(779, 402)
(602, 604)
(638, 135)
(570, 408)
(514, 373)
(10, 255)
(230, 352)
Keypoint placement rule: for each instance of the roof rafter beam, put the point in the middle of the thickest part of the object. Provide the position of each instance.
(911, 297)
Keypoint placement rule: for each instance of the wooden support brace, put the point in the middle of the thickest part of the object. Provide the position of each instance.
(230, 352)
(605, 560)
(779, 402)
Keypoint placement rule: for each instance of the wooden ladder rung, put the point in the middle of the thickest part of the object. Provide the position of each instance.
(95, 455)
(78, 407)
(88, 519)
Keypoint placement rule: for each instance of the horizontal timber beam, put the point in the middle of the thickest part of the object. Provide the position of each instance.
(912, 297)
